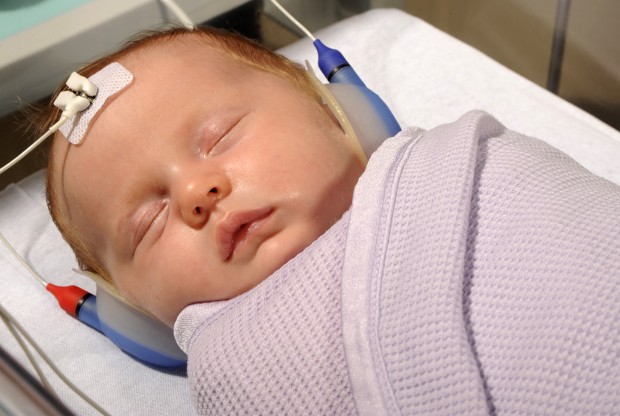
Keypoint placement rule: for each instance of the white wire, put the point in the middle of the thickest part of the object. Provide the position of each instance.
(49, 362)
(34, 145)
(22, 261)
(29, 355)
(13, 325)
(292, 19)
(179, 13)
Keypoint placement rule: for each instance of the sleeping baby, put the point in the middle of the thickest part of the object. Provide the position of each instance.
(214, 168)
(465, 269)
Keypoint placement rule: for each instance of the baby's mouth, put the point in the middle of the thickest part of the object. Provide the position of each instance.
(237, 228)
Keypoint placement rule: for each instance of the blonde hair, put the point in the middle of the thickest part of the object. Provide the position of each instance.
(240, 49)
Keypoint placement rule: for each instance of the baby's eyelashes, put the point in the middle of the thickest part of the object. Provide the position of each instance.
(214, 138)
(151, 222)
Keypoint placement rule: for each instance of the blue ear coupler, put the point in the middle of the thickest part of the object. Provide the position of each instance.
(337, 70)
(83, 305)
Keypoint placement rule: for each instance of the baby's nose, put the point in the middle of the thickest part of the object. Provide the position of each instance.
(198, 197)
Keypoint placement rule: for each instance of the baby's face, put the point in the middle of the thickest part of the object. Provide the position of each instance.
(204, 177)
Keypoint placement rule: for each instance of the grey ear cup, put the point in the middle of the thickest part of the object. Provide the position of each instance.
(137, 332)
(134, 330)
(367, 123)
(362, 114)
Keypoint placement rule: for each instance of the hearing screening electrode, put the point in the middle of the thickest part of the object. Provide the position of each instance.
(79, 97)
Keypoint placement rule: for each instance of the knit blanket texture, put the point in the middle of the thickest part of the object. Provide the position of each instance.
(477, 272)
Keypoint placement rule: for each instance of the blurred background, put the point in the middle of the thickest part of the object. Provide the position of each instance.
(568, 46)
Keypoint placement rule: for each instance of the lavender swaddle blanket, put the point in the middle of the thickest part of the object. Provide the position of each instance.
(477, 272)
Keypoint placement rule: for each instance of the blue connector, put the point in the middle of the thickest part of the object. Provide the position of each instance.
(335, 67)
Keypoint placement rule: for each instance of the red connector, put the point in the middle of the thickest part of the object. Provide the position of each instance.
(69, 298)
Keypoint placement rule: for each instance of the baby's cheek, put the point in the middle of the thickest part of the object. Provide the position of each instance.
(143, 290)
(290, 242)
(164, 305)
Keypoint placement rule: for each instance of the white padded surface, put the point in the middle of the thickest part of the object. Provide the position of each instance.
(427, 78)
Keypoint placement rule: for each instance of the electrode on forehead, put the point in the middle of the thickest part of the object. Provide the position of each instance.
(109, 81)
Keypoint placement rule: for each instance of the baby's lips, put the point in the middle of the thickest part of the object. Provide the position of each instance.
(235, 227)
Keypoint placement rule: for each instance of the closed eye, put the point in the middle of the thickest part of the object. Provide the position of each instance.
(214, 136)
(225, 142)
(151, 221)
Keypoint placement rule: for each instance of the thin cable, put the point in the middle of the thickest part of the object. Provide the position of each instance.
(557, 48)
(49, 362)
(34, 145)
(13, 324)
(22, 261)
(179, 13)
(29, 355)
(292, 19)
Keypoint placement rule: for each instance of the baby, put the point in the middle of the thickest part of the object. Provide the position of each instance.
(212, 169)
(467, 269)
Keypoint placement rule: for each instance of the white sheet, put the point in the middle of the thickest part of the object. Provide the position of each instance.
(399, 57)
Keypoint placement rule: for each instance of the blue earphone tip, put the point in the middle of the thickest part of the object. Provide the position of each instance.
(329, 59)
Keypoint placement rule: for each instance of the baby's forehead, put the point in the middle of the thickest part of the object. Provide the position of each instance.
(160, 76)
(177, 48)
